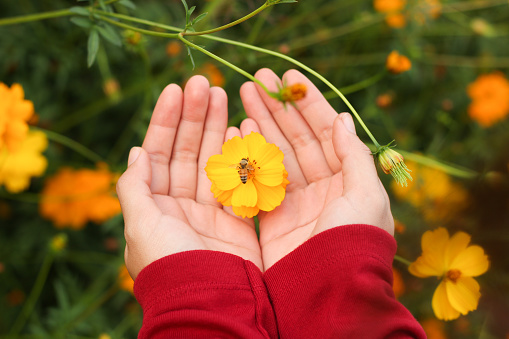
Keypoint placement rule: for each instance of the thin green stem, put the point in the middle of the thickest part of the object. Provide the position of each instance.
(74, 145)
(402, 260)
(140, 30)
(454, 170)
(358, 85)
(231, 24)
(223, 61)
(308, 69)
(138, 20)
(33, 297)
(35, 17)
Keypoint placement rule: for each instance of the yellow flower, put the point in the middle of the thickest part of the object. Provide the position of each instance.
(16, 168)
(434, 192)
(249, 175)
(71, 198)
(58, 242)
(490, 99)
(14, 114)
(397, 63)
(456, 263)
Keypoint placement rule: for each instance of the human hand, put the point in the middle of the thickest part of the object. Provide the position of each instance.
(165, 193)
(333, 179)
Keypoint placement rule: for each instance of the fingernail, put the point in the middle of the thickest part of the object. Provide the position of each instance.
(133, 155)
(348, 121)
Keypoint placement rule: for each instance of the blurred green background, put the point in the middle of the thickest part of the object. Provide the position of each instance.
(75, 290)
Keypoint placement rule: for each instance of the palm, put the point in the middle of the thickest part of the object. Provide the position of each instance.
(203, 227)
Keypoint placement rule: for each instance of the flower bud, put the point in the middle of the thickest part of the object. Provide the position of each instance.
(393, 163)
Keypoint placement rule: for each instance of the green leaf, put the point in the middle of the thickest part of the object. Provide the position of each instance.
(185, 5)
(191, 57)
(109, 33)
(191, 10)
(127, 3)
(93, 46)
(102, 5)
(80, 10)
(199, 17)
(82, 22)
(286, 2)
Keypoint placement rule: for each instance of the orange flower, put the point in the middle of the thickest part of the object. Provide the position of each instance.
(15, 112)
(389, 6)
(397, 63)
(71, 198)
(173, 48)
(434, 328)
(211, 72)
(125, 281)
(398, 285)
(490, 99)
(293, 93)
(396, 20)
(426, 9)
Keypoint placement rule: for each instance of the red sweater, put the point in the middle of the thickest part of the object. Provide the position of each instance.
(337, 284)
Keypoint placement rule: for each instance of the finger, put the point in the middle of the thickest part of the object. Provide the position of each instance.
(296, 130)
(212, 141)
(160, 136)
(247, 126)
(184, 158)
(358, 168)
(256, 109)
(135, 196)
(318, 114)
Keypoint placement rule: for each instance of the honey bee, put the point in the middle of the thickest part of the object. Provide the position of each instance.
(244, 168)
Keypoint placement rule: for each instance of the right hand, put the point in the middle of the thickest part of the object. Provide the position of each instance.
(333, 179)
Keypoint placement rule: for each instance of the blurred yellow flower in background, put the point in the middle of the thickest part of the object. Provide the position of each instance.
(15, 112)
(490, 98)
(456, 263)
(433, 192)
(71, 197)
(17, 167)
(397, 63)
(249, 175)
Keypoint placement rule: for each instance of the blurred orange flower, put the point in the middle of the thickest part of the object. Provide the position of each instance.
(398, 285)
(27, 161)
(453, 260)
(434, 328)
(71, 197)
(427, 9)
(211, 72)
(433, 192)
(15, 112)
(125, 281)
(397, 63)
(490, 99)
(389, 6)
(173, 48)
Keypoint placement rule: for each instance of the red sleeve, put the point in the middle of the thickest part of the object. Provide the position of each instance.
(338, 284)
(204, 294)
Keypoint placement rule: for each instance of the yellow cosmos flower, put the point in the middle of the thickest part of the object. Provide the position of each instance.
(16, 168)
(14, 114)
(456, 263)
(249, 175)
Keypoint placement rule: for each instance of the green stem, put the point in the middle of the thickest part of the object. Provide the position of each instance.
(41, 16)
(310, 70)
(35, 17)
(34, 295)
(140, 30)
(357, 86)
(236, 22)
(455, 170)
(402, 260)
(74, 145)
(138, 20)
(223, 61)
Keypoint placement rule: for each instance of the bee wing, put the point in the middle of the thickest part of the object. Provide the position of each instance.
(233, 166)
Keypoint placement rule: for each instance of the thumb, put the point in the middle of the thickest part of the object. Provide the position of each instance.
(358, 167)
(133, 190)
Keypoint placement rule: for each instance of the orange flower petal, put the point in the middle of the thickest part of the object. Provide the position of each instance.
(254, 142)
(422, 268)
(464, 294)
(245, 195)
(457, 243)
(269, 197)
(245, 212)
(221, 174)
(471, 262)
(234, 150)
(441, 305)
(224, 197)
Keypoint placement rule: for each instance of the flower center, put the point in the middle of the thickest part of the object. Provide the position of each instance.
(453, 275)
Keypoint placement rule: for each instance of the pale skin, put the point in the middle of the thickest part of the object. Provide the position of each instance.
(165, 194)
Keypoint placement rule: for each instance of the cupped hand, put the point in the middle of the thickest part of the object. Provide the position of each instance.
(333, 179)
(165, 193)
